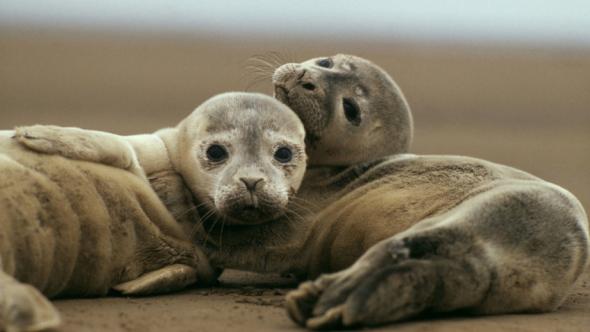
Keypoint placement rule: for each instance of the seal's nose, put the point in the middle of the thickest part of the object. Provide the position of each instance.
(305, 80)
(308, 86)
(251, 183)
(301, 74)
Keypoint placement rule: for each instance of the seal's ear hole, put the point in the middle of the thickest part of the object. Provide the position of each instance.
(351, 111)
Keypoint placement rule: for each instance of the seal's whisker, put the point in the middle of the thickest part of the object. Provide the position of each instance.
(304, 201)
(262, 63)
(255, 74)
(261, 67)
(198, 225)
(191, 209)
(271, 62)
(291, 222)
(293, 218)
(221, 233)
(252, 71)
(303, 208)
(185, 212)
(278, 58)
(201, 204)
(255, 82)
(208, 231)
(258, 76)
(301, 218)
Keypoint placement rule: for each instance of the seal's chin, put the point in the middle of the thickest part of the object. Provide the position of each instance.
(245, 213)
(309, 116)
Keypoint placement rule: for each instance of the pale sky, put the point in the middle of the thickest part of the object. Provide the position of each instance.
(529, 21)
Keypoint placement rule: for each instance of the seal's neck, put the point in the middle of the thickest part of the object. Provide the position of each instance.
(156, 154)
(151, 152)
(169, 139)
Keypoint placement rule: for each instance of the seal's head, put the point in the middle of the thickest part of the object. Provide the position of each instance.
(351, 109)
(243, 155)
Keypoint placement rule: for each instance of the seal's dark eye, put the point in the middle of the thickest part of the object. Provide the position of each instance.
(351, 111)
(326, 63)
(216, 153)
(283, 155)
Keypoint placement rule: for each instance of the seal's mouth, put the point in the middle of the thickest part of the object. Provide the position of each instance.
(281, 93)
(249, 209)
(284, 79)
(306, 115)
(240, 214)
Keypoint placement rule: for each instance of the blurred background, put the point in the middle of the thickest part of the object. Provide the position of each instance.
(503, 80)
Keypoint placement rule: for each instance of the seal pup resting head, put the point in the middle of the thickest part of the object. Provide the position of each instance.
(242, 155)
(352, 110)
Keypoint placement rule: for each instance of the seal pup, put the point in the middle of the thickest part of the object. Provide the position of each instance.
(353, 112)
(75, 228)
(445, 232)
(71, 228)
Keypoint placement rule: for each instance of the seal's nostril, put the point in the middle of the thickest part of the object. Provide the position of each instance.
(308, 86)
(301, 74)
(251, 183)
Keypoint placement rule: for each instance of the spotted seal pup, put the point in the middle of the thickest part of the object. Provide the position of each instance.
(79, 228)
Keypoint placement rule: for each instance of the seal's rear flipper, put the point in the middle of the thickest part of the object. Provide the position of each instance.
(24, 308)
(167, 279)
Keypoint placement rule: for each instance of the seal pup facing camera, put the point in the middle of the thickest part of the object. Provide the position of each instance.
(433, 233)
(240, 155)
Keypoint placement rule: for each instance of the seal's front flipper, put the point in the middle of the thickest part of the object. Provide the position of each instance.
(69, 142)
(167, 279)
(24, 308)
(80, 144)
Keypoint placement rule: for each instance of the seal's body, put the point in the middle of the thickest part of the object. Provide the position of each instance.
(74, 228)
(442, 232)
(438, 233)
(80, 228)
